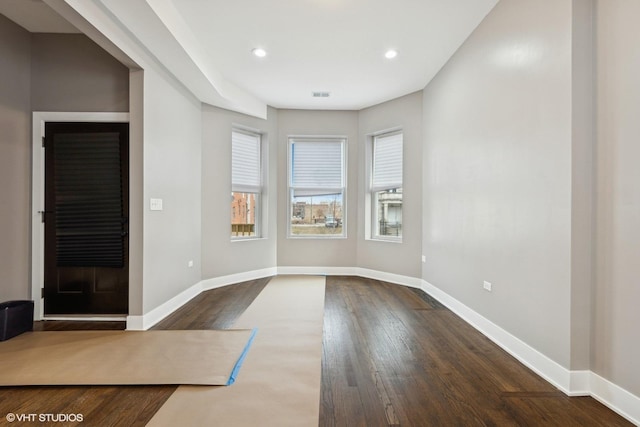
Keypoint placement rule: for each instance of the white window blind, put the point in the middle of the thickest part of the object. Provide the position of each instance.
(387, 162)
(317, 165)
(245, 162)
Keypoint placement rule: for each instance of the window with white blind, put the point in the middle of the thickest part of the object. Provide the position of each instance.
(386, 186)
(316, 187)
(246, 184)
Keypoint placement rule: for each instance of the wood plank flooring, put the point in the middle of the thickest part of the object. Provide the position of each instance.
(392, 356)
(134, 405)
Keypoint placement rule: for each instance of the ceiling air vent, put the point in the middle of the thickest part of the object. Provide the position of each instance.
(321, 94)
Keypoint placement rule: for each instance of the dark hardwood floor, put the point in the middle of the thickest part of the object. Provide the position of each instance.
(392, 356)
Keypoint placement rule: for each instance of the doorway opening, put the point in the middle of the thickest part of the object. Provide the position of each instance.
(81, 215)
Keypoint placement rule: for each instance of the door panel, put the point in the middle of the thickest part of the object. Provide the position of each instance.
(86, 218)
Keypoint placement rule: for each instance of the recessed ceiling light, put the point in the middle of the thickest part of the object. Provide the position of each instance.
(259, 52)
(390, 54)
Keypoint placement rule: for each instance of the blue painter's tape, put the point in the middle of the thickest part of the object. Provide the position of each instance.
(236, 368)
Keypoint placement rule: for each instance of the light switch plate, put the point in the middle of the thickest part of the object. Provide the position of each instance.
(155, 204)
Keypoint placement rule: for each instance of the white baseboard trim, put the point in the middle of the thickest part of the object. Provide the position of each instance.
(86, 318)
(616, 398)
(572, 383)
(398, 279)
(318, 271)
(530, 357)
(579, 383)
(144, 322)
(232, 279)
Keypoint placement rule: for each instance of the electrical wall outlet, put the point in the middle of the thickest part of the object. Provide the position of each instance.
(424, 258)
(190, 264)
(487, 286)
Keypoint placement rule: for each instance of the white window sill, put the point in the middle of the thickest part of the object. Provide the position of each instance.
(385, 239)
(318, 237)
(246, 239)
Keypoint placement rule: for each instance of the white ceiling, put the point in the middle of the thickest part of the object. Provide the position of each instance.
(313, 45)
(331, 45)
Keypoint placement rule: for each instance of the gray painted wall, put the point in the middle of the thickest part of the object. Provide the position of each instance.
(172, 147)
(391, 257)
(39, 72)
(616, 341)
(582, 182)
(72, 73)
(557, 220)
(15, 160)
(497, 173)
(330, 252)
(220, 255)
(137, 203)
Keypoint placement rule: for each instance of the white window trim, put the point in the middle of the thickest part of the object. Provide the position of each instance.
(371, 230)
(318, 138)
(260, 220)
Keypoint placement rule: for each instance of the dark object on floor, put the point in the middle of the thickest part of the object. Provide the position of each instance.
(16, 317)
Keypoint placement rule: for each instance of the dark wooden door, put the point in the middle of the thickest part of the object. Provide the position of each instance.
(86, 218)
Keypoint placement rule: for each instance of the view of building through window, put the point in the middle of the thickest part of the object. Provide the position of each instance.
(243, 214)
(388, 205)
(317, 215)
(246, 184)
(386, 185)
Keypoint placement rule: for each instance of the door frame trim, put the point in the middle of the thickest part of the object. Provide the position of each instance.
(37, 190)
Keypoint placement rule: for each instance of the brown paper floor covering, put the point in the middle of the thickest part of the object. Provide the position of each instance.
(121, 357)
(279, 383)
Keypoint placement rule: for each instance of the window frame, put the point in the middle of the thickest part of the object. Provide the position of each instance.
(292, 140)
(258, 190)
(373, 231)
